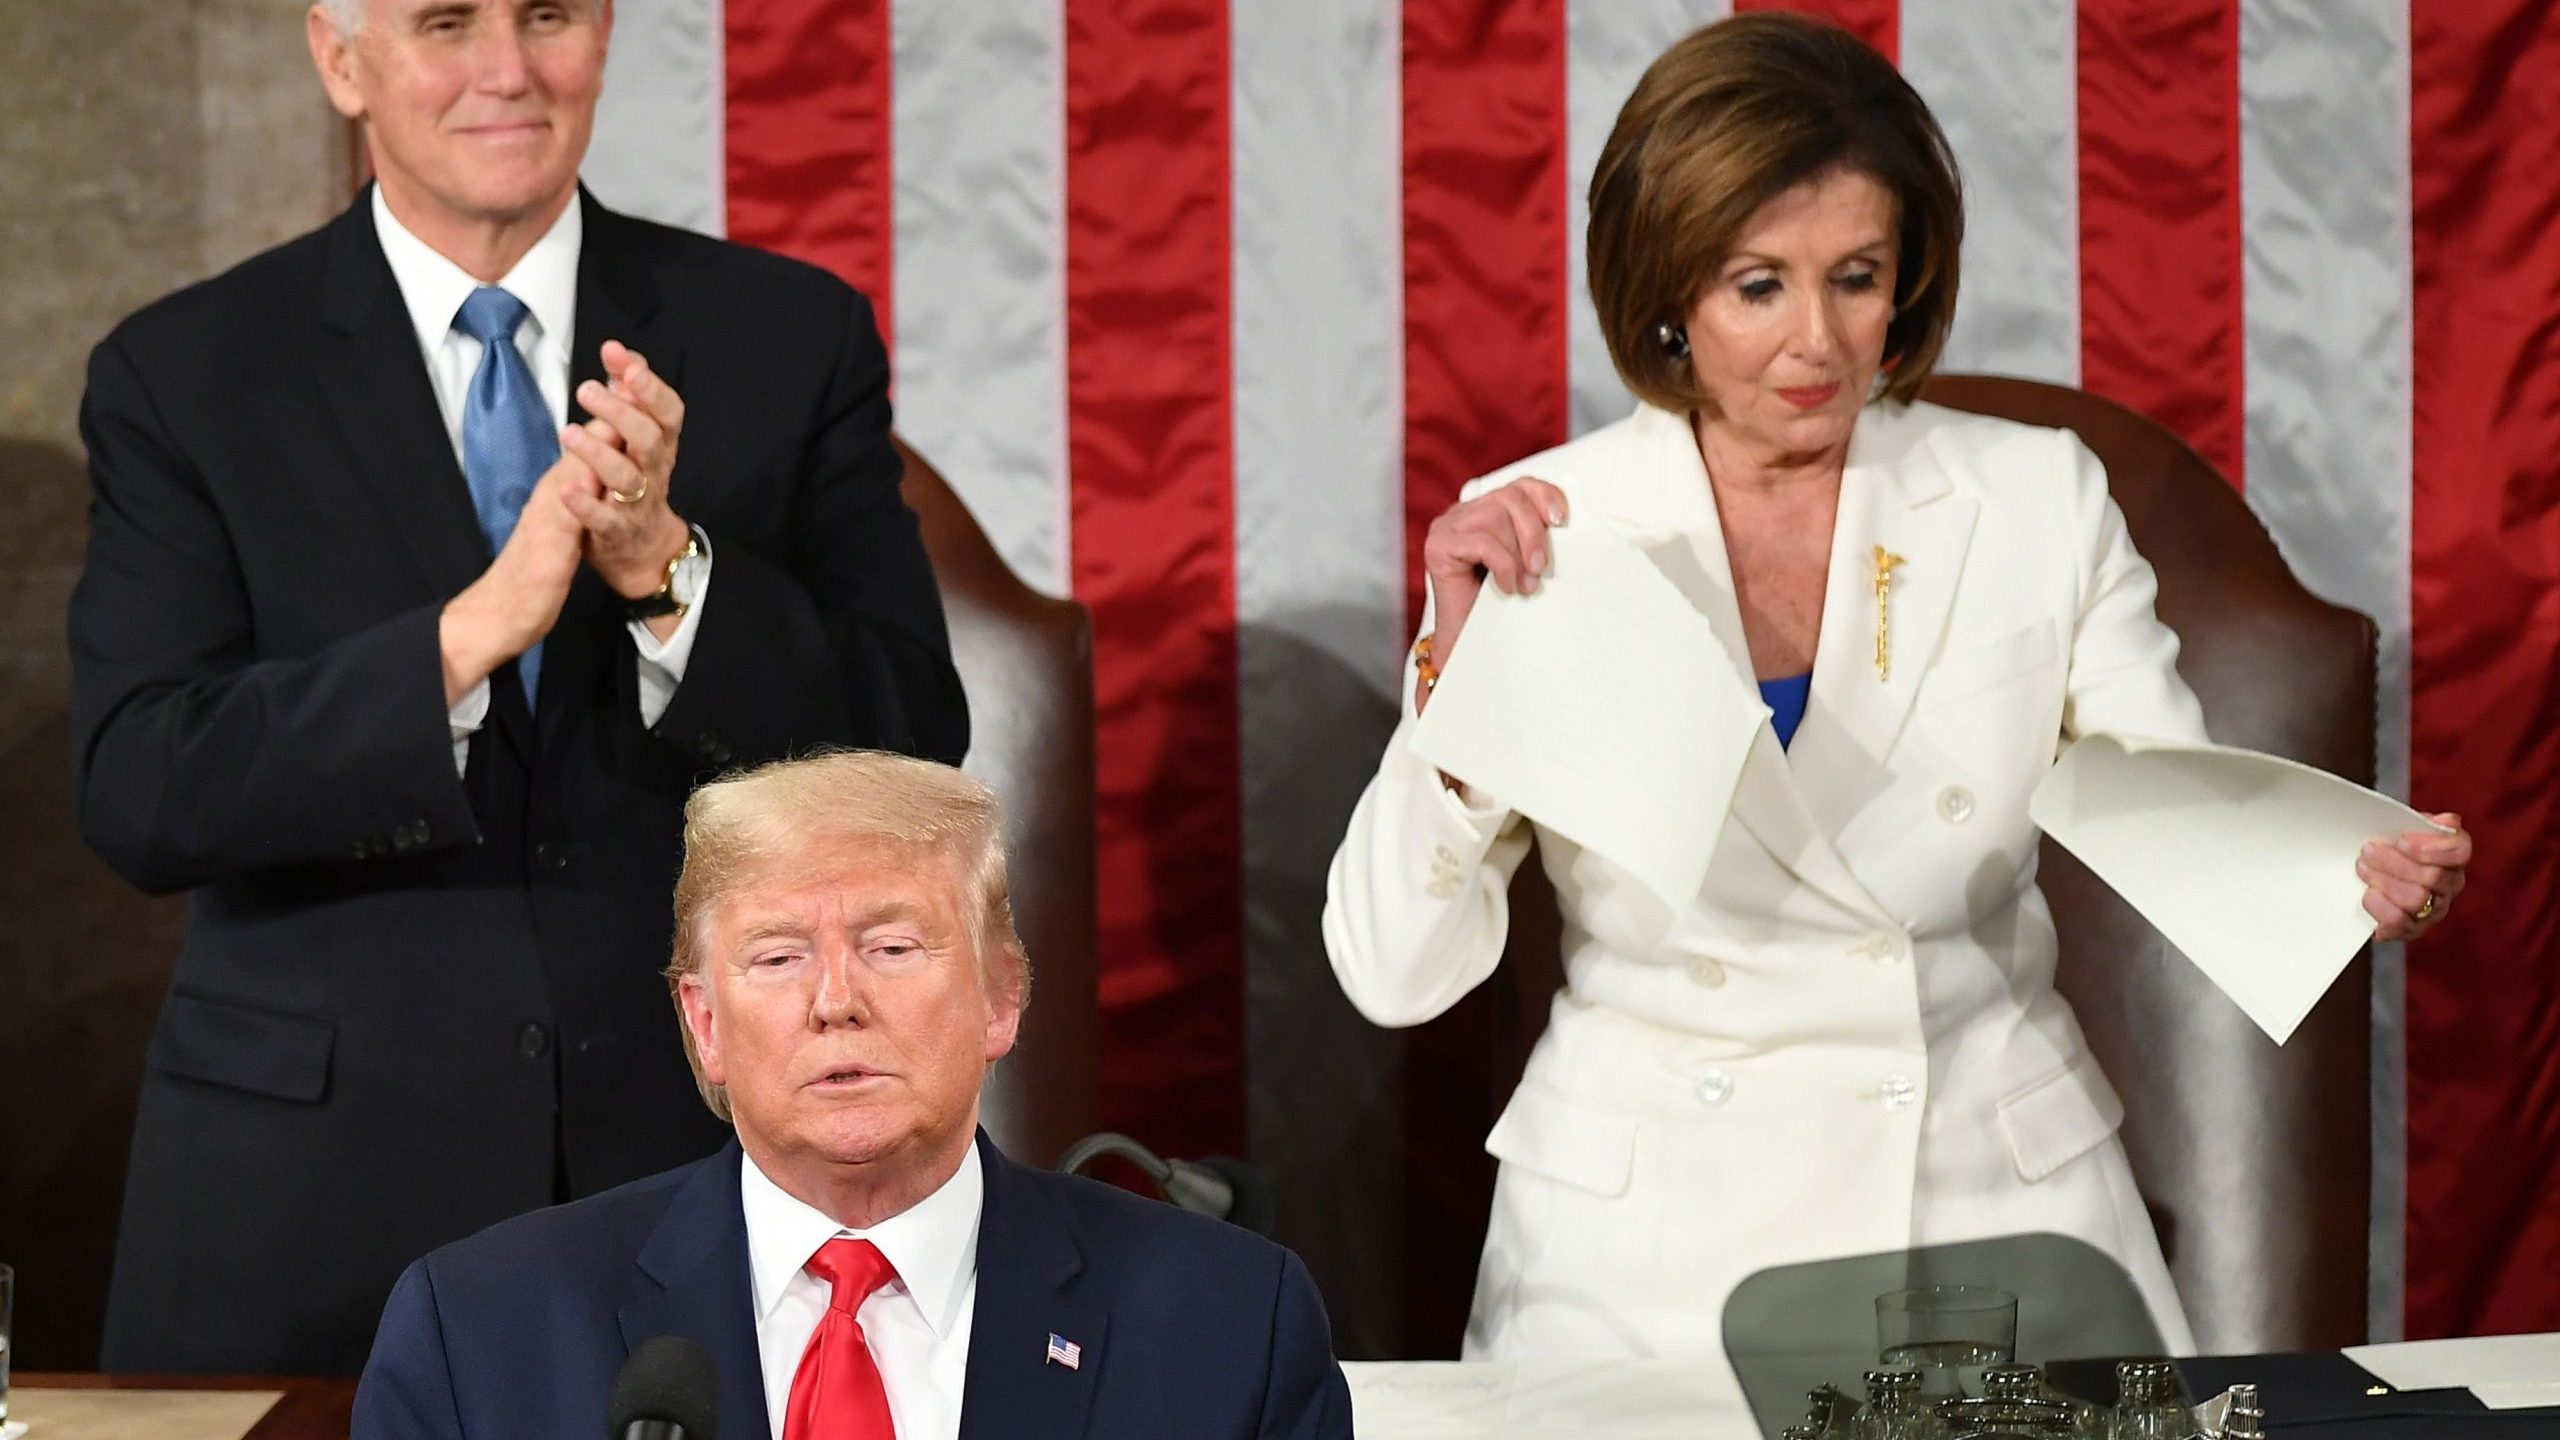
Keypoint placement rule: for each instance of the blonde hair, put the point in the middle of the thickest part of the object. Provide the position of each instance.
(1726, 121)
(749, 826)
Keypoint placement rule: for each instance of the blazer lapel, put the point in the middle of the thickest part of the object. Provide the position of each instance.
(378, 391)
(617, 300)
(1028, 1264)
(696, 1285)
(1661, 499)
(1895, 495)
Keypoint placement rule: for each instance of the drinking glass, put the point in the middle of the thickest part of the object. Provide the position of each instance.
(1949, 1333)
(8, 1288)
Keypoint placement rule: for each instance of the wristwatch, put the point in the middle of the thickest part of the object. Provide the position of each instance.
(684, 581)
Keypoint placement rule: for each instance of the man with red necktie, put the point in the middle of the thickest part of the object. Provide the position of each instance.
(862, 1263)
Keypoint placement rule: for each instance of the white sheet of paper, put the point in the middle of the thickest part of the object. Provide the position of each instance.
(1626, 1400)
(2507, 1372)
(1608, 648)
(2246, 862)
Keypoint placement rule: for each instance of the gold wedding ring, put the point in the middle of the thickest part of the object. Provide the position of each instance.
(2426, 912)
(634, 498)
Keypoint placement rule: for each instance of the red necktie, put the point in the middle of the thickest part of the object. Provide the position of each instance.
(836, 1394)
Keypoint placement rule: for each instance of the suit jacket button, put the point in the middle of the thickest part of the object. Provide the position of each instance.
(1707, 971)
(533, 1042)
(1955, 804)
(1715, 1087)
(1897, 1092)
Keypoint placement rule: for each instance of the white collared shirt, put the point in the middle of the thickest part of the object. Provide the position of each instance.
(917, 1324)
(433, 288)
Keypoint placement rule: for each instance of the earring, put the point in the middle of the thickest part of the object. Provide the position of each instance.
(1673, 340)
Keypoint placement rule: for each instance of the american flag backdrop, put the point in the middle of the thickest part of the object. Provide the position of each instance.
(1206, 306)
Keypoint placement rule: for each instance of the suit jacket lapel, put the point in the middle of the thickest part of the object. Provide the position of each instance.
(378, 391)
(695, 1284)
(617, 300)
(1896, 493)
(1028, 1265)
(1661, 498)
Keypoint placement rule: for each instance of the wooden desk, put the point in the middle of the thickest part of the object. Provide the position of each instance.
(308, 1409)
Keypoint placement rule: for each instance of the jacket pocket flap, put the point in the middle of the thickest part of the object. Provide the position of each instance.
(1990, 664)
(2060, 1118)
(265, 1052)
(1565, 1140)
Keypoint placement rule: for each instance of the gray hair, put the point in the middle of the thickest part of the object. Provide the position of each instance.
(345, 16)
(745, 827)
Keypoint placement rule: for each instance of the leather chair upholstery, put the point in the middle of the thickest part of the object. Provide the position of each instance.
(1026, 661)
(2255, 1161)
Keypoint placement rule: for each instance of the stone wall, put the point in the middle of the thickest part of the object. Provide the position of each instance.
(144, 144)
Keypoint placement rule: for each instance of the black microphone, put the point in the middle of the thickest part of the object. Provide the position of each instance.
(1220, 1187)
(668, 1390)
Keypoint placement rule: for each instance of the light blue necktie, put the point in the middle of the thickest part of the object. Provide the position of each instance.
(507, 439)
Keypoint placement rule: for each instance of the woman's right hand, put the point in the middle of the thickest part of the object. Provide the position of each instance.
(1500, 535)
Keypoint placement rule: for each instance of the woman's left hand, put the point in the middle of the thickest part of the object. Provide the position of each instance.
(2410, 883)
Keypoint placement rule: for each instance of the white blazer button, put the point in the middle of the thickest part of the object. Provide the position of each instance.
(1882, 947)
(1955, 804)
(1707, 971)
(1898, 1092)
(1715, 1087)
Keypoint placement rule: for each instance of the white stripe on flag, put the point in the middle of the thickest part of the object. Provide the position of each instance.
(2000, 76)
(977, 124)
(660, 140)
(1608, 44)
(2324, 194)
(1319, 424)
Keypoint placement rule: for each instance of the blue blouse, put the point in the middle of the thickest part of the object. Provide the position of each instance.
(1785, 698)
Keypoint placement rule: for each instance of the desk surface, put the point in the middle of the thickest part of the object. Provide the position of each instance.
(304, 1408)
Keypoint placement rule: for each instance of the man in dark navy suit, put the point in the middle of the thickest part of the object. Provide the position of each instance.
(862, 1263)
(433, 556)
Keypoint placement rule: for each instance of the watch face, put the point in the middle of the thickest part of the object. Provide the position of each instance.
(685, 586)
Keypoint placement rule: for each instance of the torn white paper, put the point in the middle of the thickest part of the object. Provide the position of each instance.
(2246, 862)
(1601, 706)
(2506, 1372)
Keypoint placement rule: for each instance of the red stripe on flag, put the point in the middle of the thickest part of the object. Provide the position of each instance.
(1485, 383)
(1484, 247)
(807, 135)
(2161, 323)
(2484, 599)
(1150, 439)
(1878, 22)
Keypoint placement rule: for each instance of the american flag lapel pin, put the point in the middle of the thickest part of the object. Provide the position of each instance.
(1063, 1351)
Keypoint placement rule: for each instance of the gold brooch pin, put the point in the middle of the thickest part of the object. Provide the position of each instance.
(1886, 560)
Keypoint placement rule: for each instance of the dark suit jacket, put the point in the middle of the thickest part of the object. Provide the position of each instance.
(1190, 1327)
(410, 1004)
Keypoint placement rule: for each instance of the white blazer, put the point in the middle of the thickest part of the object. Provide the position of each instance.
(1850, 1041)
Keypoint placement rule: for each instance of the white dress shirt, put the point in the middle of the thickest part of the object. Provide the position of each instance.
(546, 280)
(917, 1324)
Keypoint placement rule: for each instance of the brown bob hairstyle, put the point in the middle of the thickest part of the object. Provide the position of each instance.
(1724, 122)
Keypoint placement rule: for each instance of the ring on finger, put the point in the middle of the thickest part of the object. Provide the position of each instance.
(2427, 912)
(630, 497)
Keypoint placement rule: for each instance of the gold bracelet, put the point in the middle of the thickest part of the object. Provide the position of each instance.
(1422, 666)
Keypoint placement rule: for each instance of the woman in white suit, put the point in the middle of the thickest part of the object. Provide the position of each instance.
(1850, 1041)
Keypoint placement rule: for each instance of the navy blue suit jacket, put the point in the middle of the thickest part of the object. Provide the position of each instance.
(1190, 1327)
(424, 1000)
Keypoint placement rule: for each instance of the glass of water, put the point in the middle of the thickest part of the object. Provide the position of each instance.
(8, 1290)
(1949, 1333)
